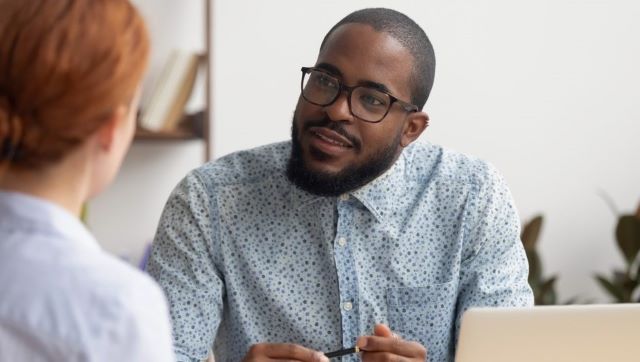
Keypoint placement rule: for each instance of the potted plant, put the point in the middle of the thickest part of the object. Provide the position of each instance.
(543, 288)
(623, 285)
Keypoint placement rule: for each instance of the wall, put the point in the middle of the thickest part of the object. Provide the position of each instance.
(548, 91)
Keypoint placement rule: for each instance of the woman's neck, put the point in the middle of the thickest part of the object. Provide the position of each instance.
(65, 184)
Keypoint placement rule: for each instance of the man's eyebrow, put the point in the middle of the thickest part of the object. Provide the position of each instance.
(375, 85)
(329, 68)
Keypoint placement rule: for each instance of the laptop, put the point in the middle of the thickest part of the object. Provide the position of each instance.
(575, 333)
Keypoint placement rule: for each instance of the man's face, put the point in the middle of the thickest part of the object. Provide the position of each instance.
(334, 152)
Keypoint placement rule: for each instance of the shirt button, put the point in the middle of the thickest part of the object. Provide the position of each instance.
(342, 241)
(344, 197)
(347, 306)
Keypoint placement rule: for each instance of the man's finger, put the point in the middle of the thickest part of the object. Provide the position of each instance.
(392, 345)
(381, 357)
(382, 330)
(288, 351)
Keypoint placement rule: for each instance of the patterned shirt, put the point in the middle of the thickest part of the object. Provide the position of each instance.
(246, 257)
(62, 298)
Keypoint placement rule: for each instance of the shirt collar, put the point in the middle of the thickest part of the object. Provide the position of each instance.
(378, 196)
(24, 211)
(381, 194)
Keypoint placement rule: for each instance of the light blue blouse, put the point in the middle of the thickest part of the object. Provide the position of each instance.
(64, 299)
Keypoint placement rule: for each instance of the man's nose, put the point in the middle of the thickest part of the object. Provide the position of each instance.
(339, 109)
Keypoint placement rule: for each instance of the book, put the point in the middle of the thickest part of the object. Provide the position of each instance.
(168, 98)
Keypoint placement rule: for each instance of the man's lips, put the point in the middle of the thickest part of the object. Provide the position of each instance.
(330, 136)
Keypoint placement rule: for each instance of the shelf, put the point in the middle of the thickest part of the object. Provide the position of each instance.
(189, 128)
(195, 126)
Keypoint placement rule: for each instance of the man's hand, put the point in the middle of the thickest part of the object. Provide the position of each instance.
(384, 345)
(283, 352)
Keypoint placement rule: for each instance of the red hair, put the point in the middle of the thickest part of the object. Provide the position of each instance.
(65, 66)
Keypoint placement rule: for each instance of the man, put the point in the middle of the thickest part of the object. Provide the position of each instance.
(350, 234)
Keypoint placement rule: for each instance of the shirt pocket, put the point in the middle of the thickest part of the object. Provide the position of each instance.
(425, 315)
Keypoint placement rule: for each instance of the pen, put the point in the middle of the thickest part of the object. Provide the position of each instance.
(342, 352)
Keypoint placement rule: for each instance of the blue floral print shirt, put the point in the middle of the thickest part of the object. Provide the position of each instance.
(246, 257)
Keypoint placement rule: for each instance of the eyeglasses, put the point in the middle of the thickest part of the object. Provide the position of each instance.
(368, 104)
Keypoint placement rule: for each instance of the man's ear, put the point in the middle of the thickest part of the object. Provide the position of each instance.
(414, 125)
(107, 131)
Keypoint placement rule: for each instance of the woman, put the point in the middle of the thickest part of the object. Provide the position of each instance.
(69, 81)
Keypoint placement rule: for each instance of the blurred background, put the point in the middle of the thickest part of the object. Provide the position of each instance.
(548, 91)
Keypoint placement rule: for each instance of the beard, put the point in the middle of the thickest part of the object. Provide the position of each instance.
(348, 179)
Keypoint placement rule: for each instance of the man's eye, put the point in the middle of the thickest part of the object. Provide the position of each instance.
(325, 81)
(371, 100)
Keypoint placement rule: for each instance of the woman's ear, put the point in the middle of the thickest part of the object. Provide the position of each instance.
(415, 124)
(107, 132)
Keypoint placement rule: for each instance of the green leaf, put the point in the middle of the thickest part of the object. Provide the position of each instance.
(615, 290)
(84, 213)
(548, 284)
(531, 232)
(547, 294)
(535, 269)
(619, 278)
(628, 236)
(622, 279)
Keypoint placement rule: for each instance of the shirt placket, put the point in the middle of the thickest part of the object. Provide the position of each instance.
(347, 276)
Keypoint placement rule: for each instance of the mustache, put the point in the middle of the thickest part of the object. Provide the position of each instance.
(334, 126)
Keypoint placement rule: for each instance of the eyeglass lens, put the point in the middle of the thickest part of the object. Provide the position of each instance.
(366, 103)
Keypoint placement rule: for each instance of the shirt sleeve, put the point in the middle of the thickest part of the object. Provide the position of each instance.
(495, 270)
(182, 262)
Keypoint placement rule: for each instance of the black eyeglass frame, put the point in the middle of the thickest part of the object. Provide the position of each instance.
(406, 106)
